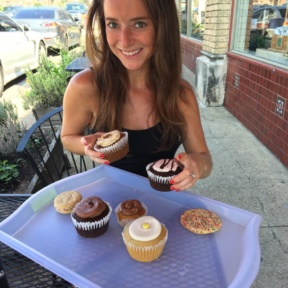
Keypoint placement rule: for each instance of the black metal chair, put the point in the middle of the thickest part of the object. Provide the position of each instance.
(41, 146)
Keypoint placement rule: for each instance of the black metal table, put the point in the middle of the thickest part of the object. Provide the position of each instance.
(78, 65)
(19, 271)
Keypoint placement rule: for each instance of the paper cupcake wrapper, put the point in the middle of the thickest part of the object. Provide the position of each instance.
(146, 253)
(114, 147)
(124, 222)
(159, 183)
(92, 225)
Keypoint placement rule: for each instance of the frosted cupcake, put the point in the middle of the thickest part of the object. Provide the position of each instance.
(91, 217)
(162, 171)
(129, 210)
(113, 144)
(145, 238)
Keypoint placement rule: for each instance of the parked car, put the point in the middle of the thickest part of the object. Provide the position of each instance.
(267, 18)
(78, 11)
(11, 10)
(21, 49)
(56, 26)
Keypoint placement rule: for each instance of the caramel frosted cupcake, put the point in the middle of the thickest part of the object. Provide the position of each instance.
(145, 238)
(91, 217)
(113, 144)
(130, 210)
(162, 171)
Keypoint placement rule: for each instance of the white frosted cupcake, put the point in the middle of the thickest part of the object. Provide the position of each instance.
(129, 210)
(113, 144)
(162, 171)
(145, 238)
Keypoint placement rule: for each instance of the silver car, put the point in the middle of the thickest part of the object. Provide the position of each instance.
(20, 48)
(55, 25)
(11, 10)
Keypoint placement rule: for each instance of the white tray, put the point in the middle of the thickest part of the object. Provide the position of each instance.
(227, 258)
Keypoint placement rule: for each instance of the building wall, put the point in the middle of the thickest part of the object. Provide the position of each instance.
(257, 95)
(191, 49)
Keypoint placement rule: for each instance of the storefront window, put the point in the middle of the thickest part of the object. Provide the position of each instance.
(193, 18)
(261, 30)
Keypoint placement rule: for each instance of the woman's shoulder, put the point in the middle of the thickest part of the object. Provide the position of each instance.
(84, 78)
(187, 87)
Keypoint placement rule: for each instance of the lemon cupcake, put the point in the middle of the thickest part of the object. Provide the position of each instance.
(113, 144)
(145, 238)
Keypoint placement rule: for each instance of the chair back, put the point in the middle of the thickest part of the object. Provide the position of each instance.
(41, 146)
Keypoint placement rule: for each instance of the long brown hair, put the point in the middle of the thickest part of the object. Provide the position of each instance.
(166, 66)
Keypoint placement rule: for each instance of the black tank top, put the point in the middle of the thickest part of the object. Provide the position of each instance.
(144, 149)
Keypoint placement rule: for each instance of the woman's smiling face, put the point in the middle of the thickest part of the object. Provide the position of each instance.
(130, 32)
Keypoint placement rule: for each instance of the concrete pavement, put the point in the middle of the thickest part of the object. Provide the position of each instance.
(246, 175)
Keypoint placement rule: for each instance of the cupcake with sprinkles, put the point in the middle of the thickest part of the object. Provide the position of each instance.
(145, 238)
(162, 171)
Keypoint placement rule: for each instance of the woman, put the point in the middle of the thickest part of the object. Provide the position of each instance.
(135, 85)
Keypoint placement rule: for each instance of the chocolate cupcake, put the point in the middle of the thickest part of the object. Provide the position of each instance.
(113, 144)
(162, 171)
(91, 217)
(130, 210)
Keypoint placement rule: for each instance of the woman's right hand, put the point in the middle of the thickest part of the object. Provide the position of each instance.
(89, 142)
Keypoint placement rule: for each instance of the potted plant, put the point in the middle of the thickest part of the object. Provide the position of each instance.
(48, 84)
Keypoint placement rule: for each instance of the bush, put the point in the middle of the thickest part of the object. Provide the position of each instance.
(48, 84)
(11, 129)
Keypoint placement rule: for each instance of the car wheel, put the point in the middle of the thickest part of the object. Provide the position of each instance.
(1, 82)
(42, 52)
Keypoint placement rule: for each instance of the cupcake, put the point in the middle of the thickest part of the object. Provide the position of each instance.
(130, 210)
(145, 238)
(91, 217)
(113, 144)
(162, 171)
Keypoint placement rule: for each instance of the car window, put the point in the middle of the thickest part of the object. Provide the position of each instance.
(257, 14)
(282, 12)
(6, 25)
(61, 15)
(75, 7)
(67, 16)
(270, 14)
(35, 14)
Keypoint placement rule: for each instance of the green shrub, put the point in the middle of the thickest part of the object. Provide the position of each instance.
(11, 129)
(8, 172)
(48, 84)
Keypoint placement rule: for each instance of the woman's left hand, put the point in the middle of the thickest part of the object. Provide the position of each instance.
(193, 170)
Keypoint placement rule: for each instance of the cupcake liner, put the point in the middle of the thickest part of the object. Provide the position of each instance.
(92, 229)
(124, 222)
(159, 183)
(145, 253)
(117, 150)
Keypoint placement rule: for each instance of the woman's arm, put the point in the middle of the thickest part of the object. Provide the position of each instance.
(79, 113)
(196, 159)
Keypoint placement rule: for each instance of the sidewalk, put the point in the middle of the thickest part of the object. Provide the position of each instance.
(246, 175)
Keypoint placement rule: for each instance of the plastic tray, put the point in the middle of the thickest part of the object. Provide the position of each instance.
(227, 258)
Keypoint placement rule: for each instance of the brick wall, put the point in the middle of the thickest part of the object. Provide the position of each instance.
(257, 94)
(191, 49)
